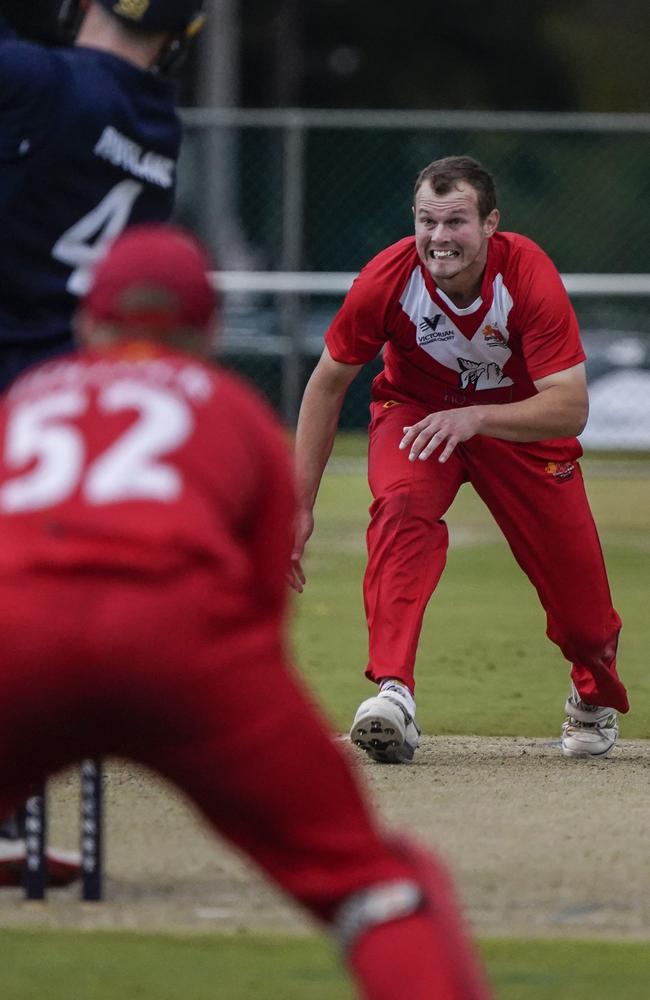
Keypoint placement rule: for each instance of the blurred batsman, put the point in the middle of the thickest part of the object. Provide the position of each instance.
(146, 520)
(89, 140)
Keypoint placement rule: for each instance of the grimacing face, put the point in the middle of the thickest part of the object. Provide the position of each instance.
(450, 236)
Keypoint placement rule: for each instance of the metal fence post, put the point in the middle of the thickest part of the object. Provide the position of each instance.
(293, 222)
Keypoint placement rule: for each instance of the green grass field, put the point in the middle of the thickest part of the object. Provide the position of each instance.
(108, 966)
(485, 667)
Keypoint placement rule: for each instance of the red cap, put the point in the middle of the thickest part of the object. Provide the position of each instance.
(154, 277)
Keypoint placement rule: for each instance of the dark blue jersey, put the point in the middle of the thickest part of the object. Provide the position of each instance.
(88, 144)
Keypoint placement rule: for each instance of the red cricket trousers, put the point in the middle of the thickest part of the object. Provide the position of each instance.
(179, 677)
(536, 495)
(190, 680)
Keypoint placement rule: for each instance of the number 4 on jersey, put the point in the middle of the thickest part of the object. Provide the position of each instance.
(84, 243)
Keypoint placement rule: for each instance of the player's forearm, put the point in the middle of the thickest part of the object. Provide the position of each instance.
(549, 414)
(315, 434)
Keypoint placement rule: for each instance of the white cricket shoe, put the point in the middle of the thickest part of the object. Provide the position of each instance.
(589, 730)
(385, 729)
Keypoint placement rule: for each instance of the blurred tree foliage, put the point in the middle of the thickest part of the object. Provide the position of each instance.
(536, 55)
(544, 55)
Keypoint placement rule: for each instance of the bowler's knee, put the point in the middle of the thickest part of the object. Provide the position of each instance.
(408, 504)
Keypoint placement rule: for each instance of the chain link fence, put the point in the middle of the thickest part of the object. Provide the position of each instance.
(323, 191)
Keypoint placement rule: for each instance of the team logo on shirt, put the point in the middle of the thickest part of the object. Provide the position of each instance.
(561, 471)
(133, 9)
(429, 332)
(493, 336)
(481, 374)
(452, 339)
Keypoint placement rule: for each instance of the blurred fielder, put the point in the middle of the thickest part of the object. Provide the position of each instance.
(483, 382)
(146, 514)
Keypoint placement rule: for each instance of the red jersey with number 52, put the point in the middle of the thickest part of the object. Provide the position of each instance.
(520, 328)
(144, 460)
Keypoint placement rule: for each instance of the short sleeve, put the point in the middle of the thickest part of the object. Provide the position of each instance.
(357, 332)
(550, 333)
(363, 323)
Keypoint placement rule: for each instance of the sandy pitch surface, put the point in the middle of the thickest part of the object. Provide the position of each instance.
(539, 845)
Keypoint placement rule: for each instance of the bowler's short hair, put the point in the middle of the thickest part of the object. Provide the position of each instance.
(443, 176)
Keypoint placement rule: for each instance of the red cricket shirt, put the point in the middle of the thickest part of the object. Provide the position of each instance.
(521, 327)
(146, 460)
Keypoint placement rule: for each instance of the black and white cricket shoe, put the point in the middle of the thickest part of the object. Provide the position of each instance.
(385, 730)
